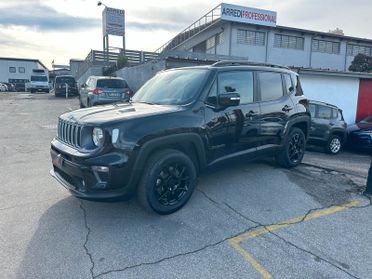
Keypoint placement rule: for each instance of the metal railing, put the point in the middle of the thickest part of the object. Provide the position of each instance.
(195, 28)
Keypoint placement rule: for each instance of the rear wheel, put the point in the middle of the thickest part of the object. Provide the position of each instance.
(294, 149)
(168, 182)
(334, 145)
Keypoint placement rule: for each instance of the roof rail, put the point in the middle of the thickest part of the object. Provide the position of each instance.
(241, 63)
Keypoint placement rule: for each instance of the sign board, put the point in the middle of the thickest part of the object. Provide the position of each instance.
(248, 15)
(113, 22)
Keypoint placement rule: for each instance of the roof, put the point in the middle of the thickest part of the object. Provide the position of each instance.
(25, 60)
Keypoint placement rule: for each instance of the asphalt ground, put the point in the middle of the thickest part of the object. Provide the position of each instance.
(245, 220)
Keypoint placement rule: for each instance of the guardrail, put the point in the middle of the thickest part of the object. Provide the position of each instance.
(195, 28)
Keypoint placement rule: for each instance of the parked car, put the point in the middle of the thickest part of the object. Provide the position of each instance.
(328, 127)
(360, 134)
(180, 122)
(10, 86)
(104, 90)
(60, 86)
(3, 87)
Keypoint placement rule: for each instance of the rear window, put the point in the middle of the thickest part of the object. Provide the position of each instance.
(271, 86)
(39, 78)
(324, 112)
(111, 83)
(68, 80)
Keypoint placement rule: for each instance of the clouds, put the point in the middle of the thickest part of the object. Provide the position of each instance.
(41, 17)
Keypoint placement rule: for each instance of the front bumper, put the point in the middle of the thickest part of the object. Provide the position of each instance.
(84, 177)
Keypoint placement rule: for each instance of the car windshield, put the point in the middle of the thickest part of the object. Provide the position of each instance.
(367, 120)
(111, 83)
(39, 78)
(176, 87)
(68, 80)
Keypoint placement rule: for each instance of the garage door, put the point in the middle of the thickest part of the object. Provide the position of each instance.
(364, 99)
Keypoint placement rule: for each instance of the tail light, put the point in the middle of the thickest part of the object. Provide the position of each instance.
(97, 91)
(130, 93)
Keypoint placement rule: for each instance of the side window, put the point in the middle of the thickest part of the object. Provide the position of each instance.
(271, 86)
(312, 109)
(340, 116)
(334, 113)
(288, 84)
(324, 112)
(240, 82)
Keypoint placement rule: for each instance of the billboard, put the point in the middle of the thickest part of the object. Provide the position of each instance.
(113, 22)
(248, 15)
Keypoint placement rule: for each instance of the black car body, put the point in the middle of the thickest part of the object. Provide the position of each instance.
(194, 116)
(63, 83)
(360, 134)
(328, 127)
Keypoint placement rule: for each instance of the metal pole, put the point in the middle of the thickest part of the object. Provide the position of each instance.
(66, 90)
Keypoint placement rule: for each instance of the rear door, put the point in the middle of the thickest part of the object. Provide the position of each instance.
(276, 106)
(322, 123)
(112, 88)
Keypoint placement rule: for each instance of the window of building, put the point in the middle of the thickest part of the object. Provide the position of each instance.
(12, 69)
(353, 50)
(251, 37)
(326, 46)
(240, 82)
(286, 41)
(21, 70)
(271, 86)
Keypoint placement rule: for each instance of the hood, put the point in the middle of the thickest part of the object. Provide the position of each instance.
(116, 112)
(359, 127)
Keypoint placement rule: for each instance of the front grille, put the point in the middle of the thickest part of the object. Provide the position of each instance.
(69, 133)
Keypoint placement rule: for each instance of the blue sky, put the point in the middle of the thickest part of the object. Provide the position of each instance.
(62, 29)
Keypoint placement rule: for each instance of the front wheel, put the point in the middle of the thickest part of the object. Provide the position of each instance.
(168, 182)
(334, 145)
(294, 149)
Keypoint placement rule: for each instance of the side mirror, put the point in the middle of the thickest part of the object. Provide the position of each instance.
(229, 99)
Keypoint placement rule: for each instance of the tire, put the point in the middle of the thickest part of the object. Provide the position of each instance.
(334, 145)
(167, 183)
(293, 151)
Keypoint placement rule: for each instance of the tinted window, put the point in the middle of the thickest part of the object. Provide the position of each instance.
(288, 83)
(68, 80)
(175, 87)
(111, 83)
(312, 109)
(237, 82)
(39, 78)
(324, 112)
(271, 86)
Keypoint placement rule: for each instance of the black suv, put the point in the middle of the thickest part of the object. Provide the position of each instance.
(63, 83)
(180, 122)
(328, 127)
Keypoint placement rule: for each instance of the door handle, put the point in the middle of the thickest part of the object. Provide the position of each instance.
(251, 113)
(287, 108)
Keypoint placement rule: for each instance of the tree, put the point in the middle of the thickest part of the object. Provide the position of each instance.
(122, 61)
(361, 63)
(337, 31)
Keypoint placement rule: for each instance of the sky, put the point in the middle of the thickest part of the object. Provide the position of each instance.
(63, 29)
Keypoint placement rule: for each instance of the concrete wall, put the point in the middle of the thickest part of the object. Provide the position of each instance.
(340, 91)
(92, 71)
(5, 75)
(136, 76)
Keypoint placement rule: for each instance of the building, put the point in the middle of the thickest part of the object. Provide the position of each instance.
(18, 70)
(253, 34)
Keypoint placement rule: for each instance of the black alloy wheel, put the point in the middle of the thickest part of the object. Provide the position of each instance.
(293, 150)
(168, 181)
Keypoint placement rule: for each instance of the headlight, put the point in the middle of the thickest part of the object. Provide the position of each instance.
(98, 136)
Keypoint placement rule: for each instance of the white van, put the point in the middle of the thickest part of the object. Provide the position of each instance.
(38, 81)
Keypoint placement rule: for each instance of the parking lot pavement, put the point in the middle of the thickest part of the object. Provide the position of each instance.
(245, 220)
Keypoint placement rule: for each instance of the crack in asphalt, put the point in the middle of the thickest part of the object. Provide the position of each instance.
(87, 239)
(177, 255)
(266, 227)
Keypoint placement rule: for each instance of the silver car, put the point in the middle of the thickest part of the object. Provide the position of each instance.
(103, 90)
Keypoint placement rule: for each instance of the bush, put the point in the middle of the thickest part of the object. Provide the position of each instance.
(122, 61)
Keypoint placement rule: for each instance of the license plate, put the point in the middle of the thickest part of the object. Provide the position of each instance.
(114, 94)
